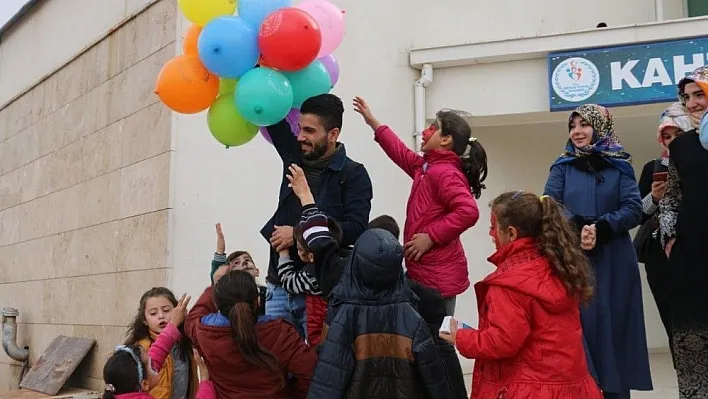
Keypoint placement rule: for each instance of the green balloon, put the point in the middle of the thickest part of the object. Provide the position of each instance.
(227, 86)
(227, 125)
(311, 81)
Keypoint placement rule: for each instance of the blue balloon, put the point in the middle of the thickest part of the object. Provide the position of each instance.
(255, 11)
(311, 81)
(264, 96)
(228, 47)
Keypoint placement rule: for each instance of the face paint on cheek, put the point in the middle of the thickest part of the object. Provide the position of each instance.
(429, 132)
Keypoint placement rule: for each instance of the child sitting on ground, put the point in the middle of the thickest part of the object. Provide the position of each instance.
(529, 343)
(239, 260)
(131, 372)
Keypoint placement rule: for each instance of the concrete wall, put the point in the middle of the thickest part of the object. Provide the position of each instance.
(84, 185)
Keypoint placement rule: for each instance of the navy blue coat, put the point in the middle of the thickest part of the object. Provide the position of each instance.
(377, 345)
(613, 323)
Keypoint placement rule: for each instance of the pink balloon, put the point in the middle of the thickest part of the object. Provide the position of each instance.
(293, 119)
(332, 66)
(330, 19)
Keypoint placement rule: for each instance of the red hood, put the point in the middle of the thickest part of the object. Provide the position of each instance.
(522, 267)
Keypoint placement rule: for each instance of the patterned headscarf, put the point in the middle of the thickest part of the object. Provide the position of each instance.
(700, 77)
(604, 140)
(674, 116)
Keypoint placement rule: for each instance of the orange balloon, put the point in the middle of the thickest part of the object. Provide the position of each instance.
(186, 86)
(189, 44)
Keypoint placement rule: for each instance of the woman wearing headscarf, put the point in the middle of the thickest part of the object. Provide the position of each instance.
(652, 187)
(595, 181)
(684, 226)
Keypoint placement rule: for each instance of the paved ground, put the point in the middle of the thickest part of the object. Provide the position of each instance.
(662, 371)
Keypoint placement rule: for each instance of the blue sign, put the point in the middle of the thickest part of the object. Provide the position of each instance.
(620, 76)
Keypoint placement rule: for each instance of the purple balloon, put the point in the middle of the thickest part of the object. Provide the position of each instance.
(332, 67)
(293, 119)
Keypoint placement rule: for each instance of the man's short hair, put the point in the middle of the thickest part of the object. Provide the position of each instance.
(328, 108)
(388, 223)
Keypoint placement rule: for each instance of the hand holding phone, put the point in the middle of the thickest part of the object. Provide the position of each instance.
(660, 176)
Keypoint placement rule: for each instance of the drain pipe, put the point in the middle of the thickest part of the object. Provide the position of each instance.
(426, 78)
(9, 335)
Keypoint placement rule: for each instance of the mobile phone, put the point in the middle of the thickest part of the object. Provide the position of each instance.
(660, 176)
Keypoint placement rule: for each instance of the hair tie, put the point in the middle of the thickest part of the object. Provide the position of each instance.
(543, 198)
(141, 374)
(472, 139)
(110, 388)
(517, 194)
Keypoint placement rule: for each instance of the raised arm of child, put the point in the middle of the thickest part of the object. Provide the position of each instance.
(295, 281)
(220, 254)
(206, 388)
(389, 141)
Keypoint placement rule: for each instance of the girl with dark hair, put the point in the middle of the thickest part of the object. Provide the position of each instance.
(132, 371)
(178, 377)
(529, 342)
(249, 356)
(446, 181)
(595, 181)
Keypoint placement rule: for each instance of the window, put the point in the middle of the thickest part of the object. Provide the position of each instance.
(697, 8)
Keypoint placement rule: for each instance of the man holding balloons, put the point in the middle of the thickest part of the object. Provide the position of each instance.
(342, 190)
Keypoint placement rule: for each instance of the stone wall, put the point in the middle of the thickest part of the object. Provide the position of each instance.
(84, 193)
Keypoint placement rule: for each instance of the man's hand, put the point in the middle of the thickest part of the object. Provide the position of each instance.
(658, 189)
(669, 247)
(298, 183)
(220, 241)
(282, 238)
(362, 107)
(588, 237)
(221, 272)
(418, 245)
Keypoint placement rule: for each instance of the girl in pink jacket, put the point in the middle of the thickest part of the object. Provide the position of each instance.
(131, 372)
(446, 181)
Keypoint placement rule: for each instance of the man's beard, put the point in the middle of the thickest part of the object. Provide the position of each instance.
(318, 151)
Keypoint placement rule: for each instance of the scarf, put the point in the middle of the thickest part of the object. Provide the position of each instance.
(313, 168)
(699, 77)
(674, 116)
(604, 141)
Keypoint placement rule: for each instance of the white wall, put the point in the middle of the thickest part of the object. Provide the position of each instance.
(29, 52)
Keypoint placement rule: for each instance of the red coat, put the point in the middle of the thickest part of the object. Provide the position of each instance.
(232, 375)
(440, 204)
(315, 312)
(529, 344)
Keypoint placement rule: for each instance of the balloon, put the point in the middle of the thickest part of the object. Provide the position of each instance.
(332, 66)
(227, 125)
(289, 39)
(185, 86)
(293, 119)
(227, 86)
(189, 44)
(200, 12)
(228, 47)
(264, 96)
(309, 82)
(255, 11)
(330, 19)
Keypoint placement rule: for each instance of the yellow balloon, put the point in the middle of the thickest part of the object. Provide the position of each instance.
(200, 12)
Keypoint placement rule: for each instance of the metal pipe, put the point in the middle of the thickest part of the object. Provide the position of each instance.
(659, 10)
(24, 10)
(9, 335)
(419, 94)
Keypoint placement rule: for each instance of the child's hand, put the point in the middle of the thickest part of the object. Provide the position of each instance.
(283, 253)
(179, 313)
(452, 336)
(418, 245)
(202, 370)
(362, 107)
(220, 241)
(298, 182)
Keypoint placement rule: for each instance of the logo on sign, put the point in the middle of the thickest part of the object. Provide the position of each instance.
(575, 79)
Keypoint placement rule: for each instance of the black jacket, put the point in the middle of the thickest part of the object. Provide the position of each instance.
(377, 345)
(344, 193)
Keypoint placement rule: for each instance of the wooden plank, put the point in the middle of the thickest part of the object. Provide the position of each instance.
(56, 364)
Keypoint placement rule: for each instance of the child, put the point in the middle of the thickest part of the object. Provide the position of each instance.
(249, 356)
(377, 345)
(178, 377)
(131, 371)
(529, 343)
(304, 281)
(441, 204)
(239, 260)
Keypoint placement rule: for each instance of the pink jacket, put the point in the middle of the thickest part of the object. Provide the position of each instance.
(440, 204)
(158, 354)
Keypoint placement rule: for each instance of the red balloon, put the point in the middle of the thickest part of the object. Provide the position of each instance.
(289, 39)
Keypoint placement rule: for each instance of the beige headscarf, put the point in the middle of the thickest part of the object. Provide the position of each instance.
(674, 116)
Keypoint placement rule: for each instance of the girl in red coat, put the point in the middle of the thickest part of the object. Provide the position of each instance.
(441, 205)
(529, 343)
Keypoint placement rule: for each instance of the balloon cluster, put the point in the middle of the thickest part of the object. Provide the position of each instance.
(252, 64)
